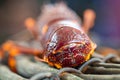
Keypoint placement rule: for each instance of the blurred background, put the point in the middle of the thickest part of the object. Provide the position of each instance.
(106, 31)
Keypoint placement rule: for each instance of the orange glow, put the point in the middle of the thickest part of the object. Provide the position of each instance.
(14, 50)
(29, 23)
(7, 45)
(1, 54)
(10, 47)
(12, 63)
(44, 29)
(89, 19)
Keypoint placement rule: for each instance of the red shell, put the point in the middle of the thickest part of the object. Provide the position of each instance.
(68, 47)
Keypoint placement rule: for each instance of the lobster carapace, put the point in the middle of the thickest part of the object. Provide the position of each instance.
(64, 42)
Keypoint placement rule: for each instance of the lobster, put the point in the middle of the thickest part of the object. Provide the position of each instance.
(64, 39)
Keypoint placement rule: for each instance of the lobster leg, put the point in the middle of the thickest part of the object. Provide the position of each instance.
(13, 50)
(11, 46)
(30, 25)
(88, 20)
